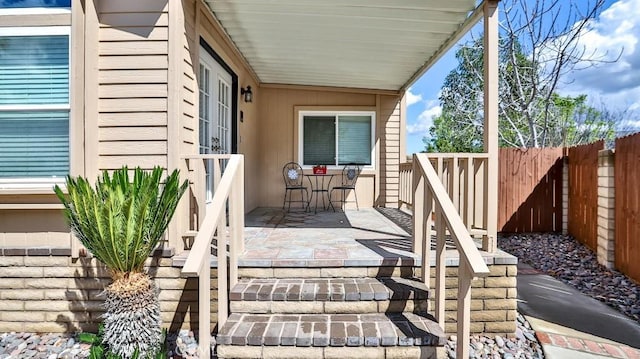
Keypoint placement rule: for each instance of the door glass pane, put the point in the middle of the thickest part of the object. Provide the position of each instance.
(354, 140)
(224, 114)
(205, 110)
(319, 144)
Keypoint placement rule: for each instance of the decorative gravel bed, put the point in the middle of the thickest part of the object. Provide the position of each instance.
(61, 346)
(523, 345)
(563, 257)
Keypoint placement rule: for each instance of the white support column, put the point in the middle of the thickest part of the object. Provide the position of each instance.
(490, 10)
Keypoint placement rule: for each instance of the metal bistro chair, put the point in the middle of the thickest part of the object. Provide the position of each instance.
(293, 176)
(350, 175)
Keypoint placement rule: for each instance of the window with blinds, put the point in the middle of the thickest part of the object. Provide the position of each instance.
(34, 105)
(336, 138)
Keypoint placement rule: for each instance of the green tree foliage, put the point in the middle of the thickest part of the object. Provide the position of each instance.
(536, 49)
(528, 116)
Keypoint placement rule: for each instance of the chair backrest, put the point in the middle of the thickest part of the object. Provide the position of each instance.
(350, 175)
(292, 174)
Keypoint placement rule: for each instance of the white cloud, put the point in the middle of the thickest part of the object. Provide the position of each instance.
(616, 84)
(425, 119)
(412, 98)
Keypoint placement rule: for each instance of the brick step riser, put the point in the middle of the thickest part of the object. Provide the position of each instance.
(330, 330)
(318, 307)
(330, 272)
(273, 352)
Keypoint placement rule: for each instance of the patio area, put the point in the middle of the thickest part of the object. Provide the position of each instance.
(276, 238)
(366, 238)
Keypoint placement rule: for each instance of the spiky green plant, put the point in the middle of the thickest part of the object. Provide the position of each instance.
(120, 222)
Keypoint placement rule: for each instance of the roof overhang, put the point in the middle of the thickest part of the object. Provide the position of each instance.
(372, 44)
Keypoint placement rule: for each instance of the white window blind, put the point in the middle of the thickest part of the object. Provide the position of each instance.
(34, 106)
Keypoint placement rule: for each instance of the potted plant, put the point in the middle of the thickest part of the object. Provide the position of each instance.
(121, 221)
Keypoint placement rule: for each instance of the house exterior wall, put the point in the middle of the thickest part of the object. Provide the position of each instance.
(47, 291)
(278, 140)
(197, 22)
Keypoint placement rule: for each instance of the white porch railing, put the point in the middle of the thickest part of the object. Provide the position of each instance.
(429, 195)
(464, 177)
(212, 222)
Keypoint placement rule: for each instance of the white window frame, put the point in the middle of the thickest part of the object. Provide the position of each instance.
(27, 183)
(336, 114)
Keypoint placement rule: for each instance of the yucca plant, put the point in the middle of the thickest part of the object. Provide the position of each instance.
(120, 222)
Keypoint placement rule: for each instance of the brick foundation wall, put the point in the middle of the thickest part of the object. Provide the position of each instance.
(493, 301)
(54, 293)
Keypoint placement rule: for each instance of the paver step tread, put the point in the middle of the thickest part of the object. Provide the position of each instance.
(328, 289)
(335, 330)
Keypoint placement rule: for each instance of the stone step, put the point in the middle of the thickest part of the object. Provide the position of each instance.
(330, 335)
(325, 295)
(296, 269)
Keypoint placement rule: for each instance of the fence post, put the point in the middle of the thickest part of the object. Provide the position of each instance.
(606, 208)
(565, 192)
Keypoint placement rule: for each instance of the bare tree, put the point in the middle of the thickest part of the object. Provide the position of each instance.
(539, 45)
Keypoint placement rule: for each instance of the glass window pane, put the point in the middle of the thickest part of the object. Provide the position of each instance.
(354, 140)
(319, 143)
(34, 70)
(34, 143)
(34, 3)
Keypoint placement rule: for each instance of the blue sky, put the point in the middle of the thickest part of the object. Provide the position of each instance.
(615, 84)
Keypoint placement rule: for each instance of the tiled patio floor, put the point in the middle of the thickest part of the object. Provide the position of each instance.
(275, 238)
(368, 237)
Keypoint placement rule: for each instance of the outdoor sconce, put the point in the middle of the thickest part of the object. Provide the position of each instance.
(248, 95)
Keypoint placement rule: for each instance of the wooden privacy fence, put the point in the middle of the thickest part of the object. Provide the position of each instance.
(530, 190)
(583, 193)
(627, 205)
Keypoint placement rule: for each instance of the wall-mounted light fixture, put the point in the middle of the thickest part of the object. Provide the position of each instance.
(248, 95)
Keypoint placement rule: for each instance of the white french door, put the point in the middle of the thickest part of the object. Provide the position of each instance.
(215, 112)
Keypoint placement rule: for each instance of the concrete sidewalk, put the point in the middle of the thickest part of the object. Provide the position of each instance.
(572, 325)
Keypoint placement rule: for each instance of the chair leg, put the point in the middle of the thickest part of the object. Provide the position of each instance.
(356, 196)
(284, 203)
(331, 202)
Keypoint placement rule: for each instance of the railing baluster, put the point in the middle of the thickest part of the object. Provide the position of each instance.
(426, 247)
(455, 182)
(468, 204)
(204, 307)
(418, 210)
(440, 266)
(464, 309)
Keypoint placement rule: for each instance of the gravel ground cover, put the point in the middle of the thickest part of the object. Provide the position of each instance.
(523, 345)
(563, 257)
(61, 346)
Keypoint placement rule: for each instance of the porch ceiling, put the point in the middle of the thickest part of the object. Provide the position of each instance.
(377, 44)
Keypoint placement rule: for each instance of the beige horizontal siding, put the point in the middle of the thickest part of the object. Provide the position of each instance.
(132, 77)
(140, 47)
(134, 33)
(133, 147)
(144, 162)
(134, 19)
(133, 119)
(133, 133)
(134, 61)
(134, 104)
(132, 90)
